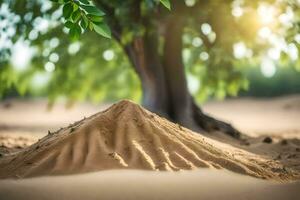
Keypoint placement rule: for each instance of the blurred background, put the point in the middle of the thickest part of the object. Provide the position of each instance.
(250, 77)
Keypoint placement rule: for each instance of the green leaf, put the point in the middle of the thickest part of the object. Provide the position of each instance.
(75, 7)
(69, 24)
(76, 16)
(166, 3)
(86, 21)
(95, 18)
(102, 29)
(67, 10)
(75, 32)
(91, 27)
(83, 24)
(92, 10)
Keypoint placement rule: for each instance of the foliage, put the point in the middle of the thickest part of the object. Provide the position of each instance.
(285, 82)
(221, 38)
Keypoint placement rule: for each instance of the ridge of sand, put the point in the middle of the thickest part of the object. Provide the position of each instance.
(126, 136)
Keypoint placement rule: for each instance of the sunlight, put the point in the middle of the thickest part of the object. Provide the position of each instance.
(292, 51)
(108, 55)
(266, 13)
(287, 17)
(49, 67)
(264, 32)
(204, 56)
(40, 79)
(206, 29)
(193, 83)
(197, 42)
(297, 38)
(274, 53)
(54, 57)
(190, 3)
(237, 11)
(54, 42)
(74, 48)
(239, 50)
(268, 68)
(21, 55)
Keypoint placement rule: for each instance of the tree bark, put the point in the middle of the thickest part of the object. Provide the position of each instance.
(142, 53)
(164, 84)
(179, 98)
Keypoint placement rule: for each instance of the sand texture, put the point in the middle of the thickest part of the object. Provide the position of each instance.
(203, 184)
(126, 136)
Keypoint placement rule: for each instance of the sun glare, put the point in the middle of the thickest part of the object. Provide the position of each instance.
(21, 55)
(268, 68)
(266, 14)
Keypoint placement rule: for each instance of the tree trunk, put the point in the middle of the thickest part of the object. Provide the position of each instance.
(142, 53)
(179, 98)
(164, 84)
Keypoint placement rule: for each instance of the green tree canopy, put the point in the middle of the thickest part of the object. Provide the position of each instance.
(73, 56)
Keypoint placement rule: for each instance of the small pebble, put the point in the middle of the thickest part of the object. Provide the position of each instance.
(72, 129)
(284, 142)
(267, 140)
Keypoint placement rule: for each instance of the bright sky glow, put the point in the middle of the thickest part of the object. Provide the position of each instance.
(21, 55)
(49, 67)
(186, 55)
(193, 83)
(74, 48)
(274, 53)
(197, 42)
(206, 29)
(237, 8)
(212, 36)
(268, 68)
(40, 79)
(287, 17)
(41, 24)
(190, 3)
(292, 51)
(237, 11)
(297, 38)
(204, 56)
(33, 34)
(266, 13)
(264, 32)
(239, 50)
(54, 42)
(54, 57)
(108, 55)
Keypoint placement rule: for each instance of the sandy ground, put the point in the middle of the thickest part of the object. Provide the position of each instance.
(26, 121)
(145, 185)
(252, 116)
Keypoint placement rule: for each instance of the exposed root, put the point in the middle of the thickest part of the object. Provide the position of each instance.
(210, 124)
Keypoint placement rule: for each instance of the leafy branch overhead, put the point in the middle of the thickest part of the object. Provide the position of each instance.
(81, 15)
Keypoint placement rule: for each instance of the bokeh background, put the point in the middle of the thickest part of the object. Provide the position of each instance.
(251, 78)
(38, 58)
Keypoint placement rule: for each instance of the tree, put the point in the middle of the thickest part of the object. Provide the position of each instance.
(162, 45)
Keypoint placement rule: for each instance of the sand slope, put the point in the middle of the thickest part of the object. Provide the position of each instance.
(126, 136)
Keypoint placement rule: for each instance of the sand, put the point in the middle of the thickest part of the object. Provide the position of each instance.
(204, 184)
(23, 122)
(126, 136)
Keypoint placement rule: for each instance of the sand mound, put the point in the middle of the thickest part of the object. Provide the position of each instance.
(126, 136)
